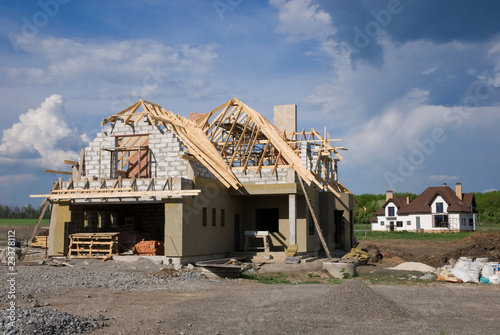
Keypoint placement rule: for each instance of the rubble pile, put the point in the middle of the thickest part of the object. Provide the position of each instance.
(47, 321)
(467, 270)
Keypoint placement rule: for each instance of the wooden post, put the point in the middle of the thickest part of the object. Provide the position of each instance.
(316, 224)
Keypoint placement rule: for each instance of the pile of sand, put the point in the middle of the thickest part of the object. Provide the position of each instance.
(414, 266)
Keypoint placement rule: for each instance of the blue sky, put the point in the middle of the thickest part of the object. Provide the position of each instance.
(411, 87)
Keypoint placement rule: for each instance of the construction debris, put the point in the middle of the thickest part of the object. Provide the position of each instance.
(356, 255)
(468, 271)
(148, 248)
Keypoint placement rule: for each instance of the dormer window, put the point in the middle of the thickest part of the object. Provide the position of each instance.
(390, 211)
(439, 207)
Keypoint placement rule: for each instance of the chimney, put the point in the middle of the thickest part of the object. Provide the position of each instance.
(285, 118)
(458, 190)
(407, 200)
(444, 184)
(388, 195)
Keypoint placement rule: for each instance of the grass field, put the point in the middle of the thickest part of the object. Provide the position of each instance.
(405, 235)
(21, 222)
(22, 227)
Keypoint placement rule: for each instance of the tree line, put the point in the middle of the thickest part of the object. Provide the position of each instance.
(487, 205)
(23, 212)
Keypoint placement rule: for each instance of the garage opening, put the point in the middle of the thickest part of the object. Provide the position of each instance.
(134, 222)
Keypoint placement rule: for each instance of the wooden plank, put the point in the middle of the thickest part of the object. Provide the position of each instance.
(71, 162)
(59, 172)
(136, 194)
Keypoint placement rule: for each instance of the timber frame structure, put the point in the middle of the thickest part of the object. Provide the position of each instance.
(151, 156)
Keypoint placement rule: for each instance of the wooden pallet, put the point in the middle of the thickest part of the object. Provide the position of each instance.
(93, 245)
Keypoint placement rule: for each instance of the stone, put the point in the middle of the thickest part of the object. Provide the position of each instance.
(292, 260)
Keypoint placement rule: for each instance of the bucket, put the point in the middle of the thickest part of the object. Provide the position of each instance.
(489, 269)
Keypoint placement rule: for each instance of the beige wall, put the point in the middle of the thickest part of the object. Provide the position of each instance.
(183, 221)
(57, 230)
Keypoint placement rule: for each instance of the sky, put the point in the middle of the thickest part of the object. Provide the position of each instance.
(411, 87)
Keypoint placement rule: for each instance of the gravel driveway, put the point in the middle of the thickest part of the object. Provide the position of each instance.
(140, 298)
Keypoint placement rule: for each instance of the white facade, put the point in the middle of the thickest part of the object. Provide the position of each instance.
(438, 220)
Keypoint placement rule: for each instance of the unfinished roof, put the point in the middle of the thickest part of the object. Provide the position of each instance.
(234, 136)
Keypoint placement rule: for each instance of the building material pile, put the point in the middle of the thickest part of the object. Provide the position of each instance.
(467, 270)
(148, 248)
(93, 245)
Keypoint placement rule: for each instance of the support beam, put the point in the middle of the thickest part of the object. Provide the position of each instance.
(292, 219)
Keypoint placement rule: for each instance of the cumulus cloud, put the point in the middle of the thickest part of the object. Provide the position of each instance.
(302, 19)
(145, 63)
(42, 137)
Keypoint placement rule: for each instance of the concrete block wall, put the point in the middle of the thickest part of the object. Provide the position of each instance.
(165, 151)
(306, 155)
(265, 176)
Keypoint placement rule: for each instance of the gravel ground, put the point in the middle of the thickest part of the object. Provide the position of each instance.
(94, 274)
(145, 298)
(47, 322)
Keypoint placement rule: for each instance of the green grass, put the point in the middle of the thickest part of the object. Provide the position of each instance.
(489, 227)
(278, 278)
(363, 226)
(22, 222)
(405, 235)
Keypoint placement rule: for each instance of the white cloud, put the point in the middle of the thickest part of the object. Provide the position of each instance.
(443, 177)
(302, 20)
(489, 190)
(41, 138)
(114, 62)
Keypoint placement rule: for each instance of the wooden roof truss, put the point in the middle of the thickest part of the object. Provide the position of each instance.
(233, 136)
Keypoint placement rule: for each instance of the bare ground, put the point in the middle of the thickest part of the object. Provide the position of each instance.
(398, 305)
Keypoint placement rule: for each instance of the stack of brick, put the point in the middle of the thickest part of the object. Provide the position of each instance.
(148, 248)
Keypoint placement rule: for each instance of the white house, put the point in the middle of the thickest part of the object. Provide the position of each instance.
(436, 209)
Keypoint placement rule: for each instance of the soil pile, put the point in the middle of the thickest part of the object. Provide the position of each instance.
(479, 245)
(355, 300)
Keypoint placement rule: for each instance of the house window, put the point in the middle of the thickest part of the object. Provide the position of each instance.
(399, 223)
(310, 223)
(382, 223)
(214, 217)
(222, 218)
(390, 211)
(439, 207)
(471, 222)
(408, 223)
(441, 221)
(204, 216)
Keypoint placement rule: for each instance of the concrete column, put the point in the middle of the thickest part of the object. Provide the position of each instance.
(292, 217)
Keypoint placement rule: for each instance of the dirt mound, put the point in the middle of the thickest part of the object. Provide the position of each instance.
(479, 245)
(354, 299)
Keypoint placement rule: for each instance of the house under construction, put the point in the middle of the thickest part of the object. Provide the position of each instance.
(200, 185)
